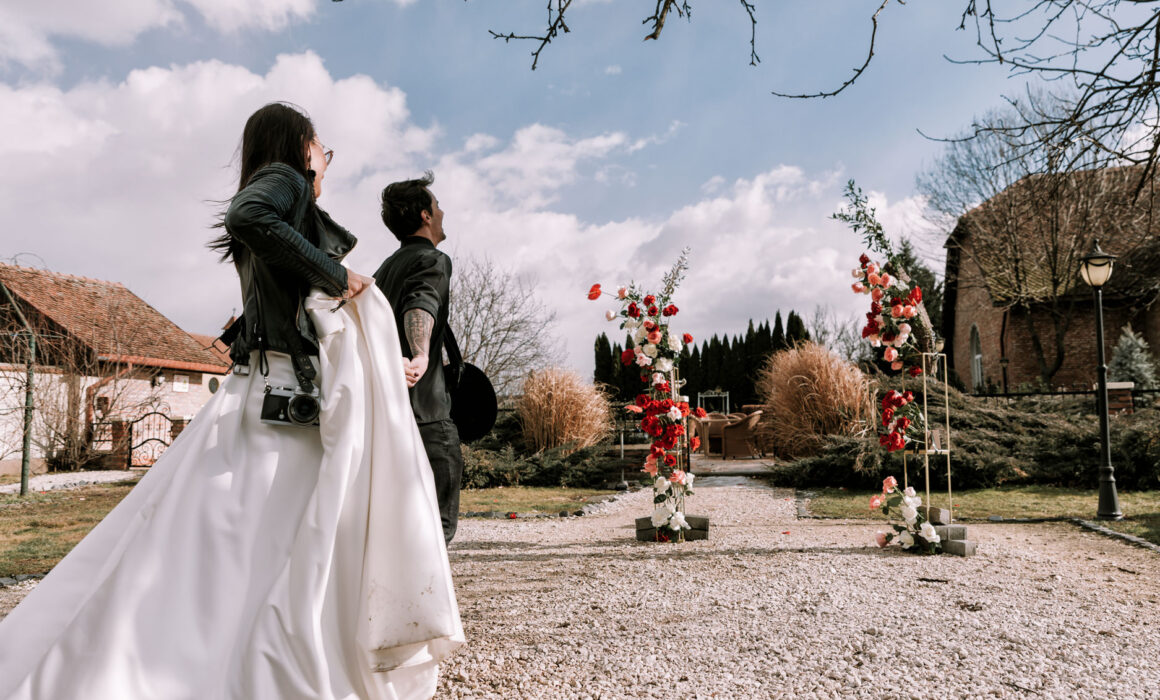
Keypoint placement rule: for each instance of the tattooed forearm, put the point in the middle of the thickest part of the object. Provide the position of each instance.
(418, 325)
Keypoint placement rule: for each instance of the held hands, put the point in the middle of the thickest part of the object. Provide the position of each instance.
(414, 369)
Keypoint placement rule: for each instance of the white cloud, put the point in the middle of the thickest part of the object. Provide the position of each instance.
(612, 70)
(114, 181)
(28, 28)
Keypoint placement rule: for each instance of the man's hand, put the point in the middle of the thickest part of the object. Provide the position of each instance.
(415, 369)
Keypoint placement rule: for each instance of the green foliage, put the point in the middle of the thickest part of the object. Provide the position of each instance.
(500, 459)
(993, 444)
(605, 372)
(863, 219)
(1132, 362)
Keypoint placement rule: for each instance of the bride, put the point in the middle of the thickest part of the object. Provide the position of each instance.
(269, 554)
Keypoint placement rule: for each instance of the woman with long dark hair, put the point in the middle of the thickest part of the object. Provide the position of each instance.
(263, 556)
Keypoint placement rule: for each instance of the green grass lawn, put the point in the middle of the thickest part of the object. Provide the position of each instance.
(1141, 508)
(524, 499)
(38, 530)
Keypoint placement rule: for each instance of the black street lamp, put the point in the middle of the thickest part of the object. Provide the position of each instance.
(1096, 268)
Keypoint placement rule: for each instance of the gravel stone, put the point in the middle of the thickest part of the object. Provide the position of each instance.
(577, 608)
(72, 480)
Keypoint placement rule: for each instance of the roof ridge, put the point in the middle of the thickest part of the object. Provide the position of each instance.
(54, 273)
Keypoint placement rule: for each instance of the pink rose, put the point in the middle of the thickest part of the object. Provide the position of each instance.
(880, 539)
(896, 311)
(872, 267)
(876, 501)
(650, 466)
(904, 328)
(858, 287)
(897, 365)
(856, 272)
(610, 315)
(874, 279)
(889, 484)
(909, 312)
(891, 354)
(885, 278)
(876, 294)
(622, 293)
(678, 477)
(634, 408)
(655, 337)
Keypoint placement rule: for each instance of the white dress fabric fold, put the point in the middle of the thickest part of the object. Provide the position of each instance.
(260, 562)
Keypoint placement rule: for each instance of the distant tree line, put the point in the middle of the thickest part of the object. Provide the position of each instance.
(718, 364)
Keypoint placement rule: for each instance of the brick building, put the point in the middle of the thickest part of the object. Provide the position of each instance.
(104, 357)
(1012, 268)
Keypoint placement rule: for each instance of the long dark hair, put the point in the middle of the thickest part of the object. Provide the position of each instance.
(276, 133)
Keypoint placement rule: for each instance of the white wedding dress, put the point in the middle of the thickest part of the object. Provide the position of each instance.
(259, 562)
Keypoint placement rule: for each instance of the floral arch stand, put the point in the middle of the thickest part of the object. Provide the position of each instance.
(936, 442)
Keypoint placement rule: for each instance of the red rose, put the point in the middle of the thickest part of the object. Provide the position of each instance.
(887, 415)
(633, 310)
(670, 310)
(657, 451)
(650, 300)
(670, 460)
(914, 371)
(902, 424)
(628, 356)
(512, 516)
(664, 387)
(864, 259)
(652, 310)
(687, 338)
(694, 442)
(684, 409)
(915, 296)
(642, 400)
(594, 292)
(699, 412)
(908, 397)
(649, 326)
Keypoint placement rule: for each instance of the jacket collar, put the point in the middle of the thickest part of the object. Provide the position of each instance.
(417, 240)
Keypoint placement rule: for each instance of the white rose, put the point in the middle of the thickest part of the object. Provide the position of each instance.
(643, 360)
(661, 515)
(639, 335)
(912, 501)
(650, 350)
(661, 484)
(909, 492)
(610, 315)
(657, 377)
(675, 342)
(904, 538)
(678, 522)
(631, 324)
(664, 364)
(928, 533)
(909, 514)
(688, 482)
(675, 414)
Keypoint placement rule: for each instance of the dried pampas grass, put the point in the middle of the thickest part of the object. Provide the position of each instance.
(559, 409)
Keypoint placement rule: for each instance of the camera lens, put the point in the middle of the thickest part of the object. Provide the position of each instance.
(303, 409)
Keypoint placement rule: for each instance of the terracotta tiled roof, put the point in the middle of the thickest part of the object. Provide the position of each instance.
(110, 320)
(207, 341)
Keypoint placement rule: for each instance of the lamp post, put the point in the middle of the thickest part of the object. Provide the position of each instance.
(1096, 268)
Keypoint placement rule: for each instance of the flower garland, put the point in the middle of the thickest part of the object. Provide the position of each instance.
(892, 306)
(915, 532)
(656, 351)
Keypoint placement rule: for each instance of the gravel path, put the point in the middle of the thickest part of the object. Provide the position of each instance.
(72, 480)
(772, 606)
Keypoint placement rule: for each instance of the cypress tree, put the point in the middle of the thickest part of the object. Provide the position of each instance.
(777, 337)
(795, 329)
(605, 368)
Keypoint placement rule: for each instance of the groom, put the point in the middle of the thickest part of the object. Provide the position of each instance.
(416, 279)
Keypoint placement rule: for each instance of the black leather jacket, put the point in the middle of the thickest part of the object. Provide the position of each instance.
(288, 246)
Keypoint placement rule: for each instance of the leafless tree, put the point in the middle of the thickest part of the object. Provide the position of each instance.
(75, 387)
(1104, 53)
(501, 326)
(1024, 222)
(841, 335)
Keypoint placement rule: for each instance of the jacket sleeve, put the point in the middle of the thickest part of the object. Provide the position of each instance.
(257, 218)
(428, 284)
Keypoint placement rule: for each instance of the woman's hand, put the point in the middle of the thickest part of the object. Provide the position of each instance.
(414, 369)
(355, 284)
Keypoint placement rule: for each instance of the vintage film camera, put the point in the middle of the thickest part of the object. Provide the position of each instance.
(288, 405)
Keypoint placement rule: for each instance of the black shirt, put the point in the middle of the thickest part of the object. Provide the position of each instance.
(417, 276)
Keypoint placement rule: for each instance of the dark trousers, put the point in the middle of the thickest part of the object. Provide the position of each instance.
(441, 440)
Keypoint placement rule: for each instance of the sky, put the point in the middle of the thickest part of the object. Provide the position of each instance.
(119, 123)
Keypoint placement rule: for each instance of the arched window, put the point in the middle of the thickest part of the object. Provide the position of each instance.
(976, 360)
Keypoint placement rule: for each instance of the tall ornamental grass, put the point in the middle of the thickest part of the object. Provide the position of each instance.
(810, 393)
(558, 409)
